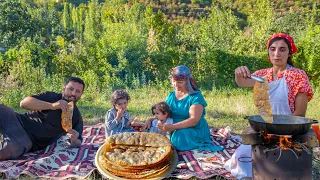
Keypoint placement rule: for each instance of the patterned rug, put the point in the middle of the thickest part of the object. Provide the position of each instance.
(59, 162)
(206, 164)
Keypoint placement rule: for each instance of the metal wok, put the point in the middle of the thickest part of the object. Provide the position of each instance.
(282, 124)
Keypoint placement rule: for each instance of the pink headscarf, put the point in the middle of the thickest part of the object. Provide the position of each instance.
(294, 48)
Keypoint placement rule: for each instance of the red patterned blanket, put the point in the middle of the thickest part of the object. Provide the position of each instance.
(206, 164)
(59, 162)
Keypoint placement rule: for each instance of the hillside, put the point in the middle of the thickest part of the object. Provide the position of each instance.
(187, 11)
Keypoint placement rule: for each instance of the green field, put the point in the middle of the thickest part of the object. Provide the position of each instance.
(226, 107)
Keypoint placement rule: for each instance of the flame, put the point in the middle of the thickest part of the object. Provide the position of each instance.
(266, 138)
(285, 142)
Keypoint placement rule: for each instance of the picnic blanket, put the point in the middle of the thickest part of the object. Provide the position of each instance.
(206, 164)
(57, 161)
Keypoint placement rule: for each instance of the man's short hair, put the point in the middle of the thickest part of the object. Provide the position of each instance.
(75, 79)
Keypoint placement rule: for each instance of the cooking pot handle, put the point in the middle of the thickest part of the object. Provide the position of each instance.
(314, 121)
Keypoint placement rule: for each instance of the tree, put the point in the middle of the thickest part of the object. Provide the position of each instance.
(308, 56)
(66, 19)
(92, 22)
(15, 23)
(291, 23)
(260, 21)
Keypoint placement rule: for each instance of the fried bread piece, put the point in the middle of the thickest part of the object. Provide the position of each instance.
(261, 100)
(66, 117)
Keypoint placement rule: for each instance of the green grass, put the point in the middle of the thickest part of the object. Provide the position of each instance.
(226, 107)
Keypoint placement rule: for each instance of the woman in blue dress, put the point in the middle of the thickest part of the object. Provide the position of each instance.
(190, 129)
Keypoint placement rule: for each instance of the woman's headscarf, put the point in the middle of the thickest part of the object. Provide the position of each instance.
(294, 48)
(182, 72)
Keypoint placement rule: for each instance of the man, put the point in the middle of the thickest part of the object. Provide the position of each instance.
(42, 125)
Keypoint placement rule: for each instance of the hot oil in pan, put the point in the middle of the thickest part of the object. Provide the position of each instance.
(261, 100)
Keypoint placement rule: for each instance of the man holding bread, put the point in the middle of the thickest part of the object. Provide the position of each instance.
(42, 125)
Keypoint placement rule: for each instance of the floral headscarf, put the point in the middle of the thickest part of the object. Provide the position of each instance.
(294, 48)
(182, 72)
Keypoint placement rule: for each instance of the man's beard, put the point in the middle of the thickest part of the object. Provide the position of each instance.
(67, 98)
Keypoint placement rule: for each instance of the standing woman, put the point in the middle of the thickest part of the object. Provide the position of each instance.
(190, 129)
(289, 87)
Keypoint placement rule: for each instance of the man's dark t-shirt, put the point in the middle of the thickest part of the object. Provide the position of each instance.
(44, 127)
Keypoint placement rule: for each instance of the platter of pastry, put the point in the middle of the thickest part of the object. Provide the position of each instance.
(136, 155)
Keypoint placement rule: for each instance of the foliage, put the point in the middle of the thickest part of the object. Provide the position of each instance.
(291, 23)
(260, 21)
(308, 57)
(132, 44)
(15, 23)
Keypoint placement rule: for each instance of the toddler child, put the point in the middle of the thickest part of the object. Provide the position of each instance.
(162, 114)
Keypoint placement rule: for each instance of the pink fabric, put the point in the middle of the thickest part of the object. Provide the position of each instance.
(58, 162)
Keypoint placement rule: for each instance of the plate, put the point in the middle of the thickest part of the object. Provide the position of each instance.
(137, 125)
(108, 175)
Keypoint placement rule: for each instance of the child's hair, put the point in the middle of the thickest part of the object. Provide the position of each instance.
(162, 107)
(119, 94)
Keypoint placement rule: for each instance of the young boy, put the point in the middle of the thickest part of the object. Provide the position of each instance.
(117, 119)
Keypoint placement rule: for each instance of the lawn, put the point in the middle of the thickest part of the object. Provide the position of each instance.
(226, 107)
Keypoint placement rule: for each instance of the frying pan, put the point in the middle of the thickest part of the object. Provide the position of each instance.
(282, 124)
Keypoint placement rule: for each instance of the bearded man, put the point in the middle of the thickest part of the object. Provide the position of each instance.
(41, 126)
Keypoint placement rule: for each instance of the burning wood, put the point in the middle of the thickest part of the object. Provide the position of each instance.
(266, 138)
(283, 142)
(286, 143)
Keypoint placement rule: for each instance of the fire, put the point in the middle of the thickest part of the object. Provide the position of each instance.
(266, 138)
(282, 142)
(285, 142)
